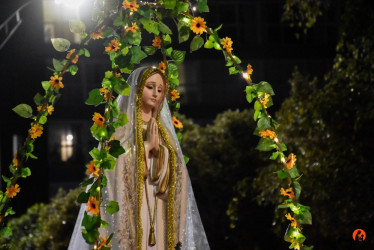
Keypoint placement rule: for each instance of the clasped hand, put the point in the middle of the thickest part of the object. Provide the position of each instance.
(152, 140)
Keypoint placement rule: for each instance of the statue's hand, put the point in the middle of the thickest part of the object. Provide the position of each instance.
(152, 137)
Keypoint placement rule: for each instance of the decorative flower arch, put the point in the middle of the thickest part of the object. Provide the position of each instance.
(120, 25)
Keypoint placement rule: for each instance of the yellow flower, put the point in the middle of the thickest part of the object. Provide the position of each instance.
(92, 169)
(98, 119)
(227, 44)
(177, 123)
(265, 100)
(50, 109)
(267, 133)
(75, 59)
(293, 221)
(112, 46)
(71, 52)
(198, 25)
(15, 160)
(97, 35)
(36, 131)
(103, 242)
(174, 95)
(291, 160)
(162, 67)
(249, 69)
(288, 192)
(56, 82)
(106, 93)
(117, 75)
(133, 28)
(157, 42)
(93, 206)
(130, 5)
(12, 191)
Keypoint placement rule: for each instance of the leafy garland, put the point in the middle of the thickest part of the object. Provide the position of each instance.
(121, 25)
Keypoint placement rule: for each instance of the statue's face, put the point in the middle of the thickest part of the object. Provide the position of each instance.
(153, 92)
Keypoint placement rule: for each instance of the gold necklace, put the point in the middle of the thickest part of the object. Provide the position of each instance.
(151, 237)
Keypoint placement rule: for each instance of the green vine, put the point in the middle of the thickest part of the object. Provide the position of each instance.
(121, 25)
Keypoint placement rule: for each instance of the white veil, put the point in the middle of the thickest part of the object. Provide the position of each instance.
(122, 178)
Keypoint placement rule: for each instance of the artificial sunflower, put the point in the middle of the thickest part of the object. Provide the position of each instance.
(177, 123)
(293, 221)
(288, 192)
(56, 82)
(174, 95)
(267, 133)
(227, 44)
(112, 46)
(12, 191)
(93, 206)
(50, 109)
(92, 169)
(106, 93)
(130, 5)
(265, 100)
(157, 42)
(15, 160)
(198, 25)
(36, 131)
(97, 35)
(291, 160)
(75, 59)
(103, 242)
(71, 52)
(133, 28)
(249, 70)
(162, 67)
(99, 120)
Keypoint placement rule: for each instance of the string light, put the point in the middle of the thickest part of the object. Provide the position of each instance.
(245, 76)
(194, 8)
(283, 160)
(186, 20)
(276, 139)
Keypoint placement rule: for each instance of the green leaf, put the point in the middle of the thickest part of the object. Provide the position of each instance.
(23, 110)
(112, 207)
(6, 232)
(104, 224)
(296, 186)
(95, 154)
(123, 61)
(196, 43)
(186, 159)
(38, 99)
(58, 65)
(137, 54)
(90, 235)
(87, 182)
(284, 148)
(266, 88)
(9, 211)
(258, 106)
(183, 31)
(108, 32)
(77, 26)
(275, 155)
(134, 38)
(257, 114)
(42, 119)
(115, 148)
(90, 221)
(119, 21)
(94, 97)
(233, 70)
(73, 69)
(150, 26)
(178, 56)
(167, 39)
(305, 217)
(264, 123)
(250, 97)
(170, 4)
(7, 180)
(104, 181)
(182, 6)
(202, 5)
(282, 174)
(46, 85)
(83, 197)
(150, 50)
(209, 44)
(60, 44)
(122, 119)
(265, 144)
(84, 52)
(25, 172)
(164, 28)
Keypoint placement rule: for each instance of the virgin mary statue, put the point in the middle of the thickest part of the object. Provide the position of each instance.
(157, 208)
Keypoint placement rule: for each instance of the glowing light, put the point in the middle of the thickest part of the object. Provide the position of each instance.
(245, 76)
(73, 4)
(295, 233)
(276, 140)
(69, 137)
(194, 8)
(283, 160)
(186, 20)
